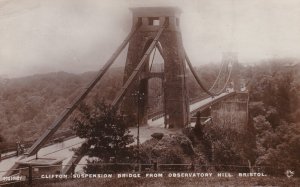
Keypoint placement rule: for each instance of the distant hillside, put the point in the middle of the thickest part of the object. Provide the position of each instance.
(30, 104)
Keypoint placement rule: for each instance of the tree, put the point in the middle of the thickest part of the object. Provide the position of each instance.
(274, 100)
(106, 132)
(1, 143)
(228, 149)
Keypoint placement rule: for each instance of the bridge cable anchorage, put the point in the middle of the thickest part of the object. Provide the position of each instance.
(67, 112)
(200, 82)
(137, 70)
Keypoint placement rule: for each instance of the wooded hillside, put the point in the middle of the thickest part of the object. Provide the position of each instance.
(30, 104)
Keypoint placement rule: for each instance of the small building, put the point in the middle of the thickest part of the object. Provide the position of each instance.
(40, 166)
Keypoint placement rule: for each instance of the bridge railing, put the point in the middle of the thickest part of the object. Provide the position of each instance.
(193, 112)
(159, 114)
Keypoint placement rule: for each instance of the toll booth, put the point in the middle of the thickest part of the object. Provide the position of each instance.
(35, 167)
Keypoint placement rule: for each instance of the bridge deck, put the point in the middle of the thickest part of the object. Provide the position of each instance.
(63, 149)
(200, 105)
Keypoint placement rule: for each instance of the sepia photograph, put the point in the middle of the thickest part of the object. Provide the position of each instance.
(156, 93)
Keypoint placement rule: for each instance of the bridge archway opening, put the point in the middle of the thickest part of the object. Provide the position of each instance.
(156, 96)
(156, 61)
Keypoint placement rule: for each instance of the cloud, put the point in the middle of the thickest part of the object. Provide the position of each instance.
(79, 35)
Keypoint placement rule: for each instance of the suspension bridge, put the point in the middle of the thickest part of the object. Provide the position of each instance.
(154, 29)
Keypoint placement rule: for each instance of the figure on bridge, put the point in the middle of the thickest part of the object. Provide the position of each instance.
(20, 147)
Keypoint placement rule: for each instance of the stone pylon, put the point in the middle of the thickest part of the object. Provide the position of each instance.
(231, 59)
(175, 90)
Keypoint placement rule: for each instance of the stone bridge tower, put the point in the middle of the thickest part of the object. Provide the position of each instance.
(176, 99)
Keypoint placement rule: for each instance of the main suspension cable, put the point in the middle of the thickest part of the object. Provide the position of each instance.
(200, 82)
(218, 77)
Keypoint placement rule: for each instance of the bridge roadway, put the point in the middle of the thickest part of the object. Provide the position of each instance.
(63, 149)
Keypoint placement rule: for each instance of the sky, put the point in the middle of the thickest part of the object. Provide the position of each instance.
(40, 36)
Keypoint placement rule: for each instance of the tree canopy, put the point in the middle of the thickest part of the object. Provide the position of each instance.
(274, 108)
(106, 133)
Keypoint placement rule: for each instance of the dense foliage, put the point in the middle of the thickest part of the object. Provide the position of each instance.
(106, 134)
(274, 110)
(272, 137)
(1, 143)
(30, 104)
